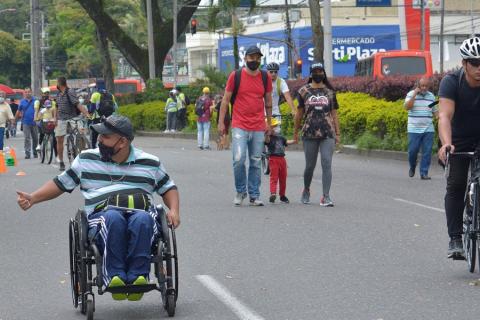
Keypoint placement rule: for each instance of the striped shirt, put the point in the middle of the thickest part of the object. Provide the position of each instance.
(420, 116)
(98, 180)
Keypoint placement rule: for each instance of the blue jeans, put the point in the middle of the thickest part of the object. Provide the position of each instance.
(125, 241)
(253, 141)
(203, 134)
(2, 136)
(425, 142)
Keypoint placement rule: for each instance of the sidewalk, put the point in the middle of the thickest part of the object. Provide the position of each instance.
(347, 149)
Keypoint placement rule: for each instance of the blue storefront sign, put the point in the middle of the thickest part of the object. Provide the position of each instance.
(349, 43)
(374, 3)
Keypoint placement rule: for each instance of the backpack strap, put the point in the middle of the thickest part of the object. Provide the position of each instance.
(265, 81)
(279, 86)
(236, 84)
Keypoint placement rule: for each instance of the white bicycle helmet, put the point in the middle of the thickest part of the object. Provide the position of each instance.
(470, 48)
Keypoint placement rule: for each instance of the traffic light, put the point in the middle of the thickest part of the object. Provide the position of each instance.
(298, 68)
(193, 26)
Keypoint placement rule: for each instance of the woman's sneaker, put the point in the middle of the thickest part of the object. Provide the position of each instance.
(284, 199)
(305, 196)
(273, 196)
(325, 201)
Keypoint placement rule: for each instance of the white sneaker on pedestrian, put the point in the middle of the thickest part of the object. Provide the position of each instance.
(166, 131)
(172, 131)
(239, 197)
(256, 202)
(38, 147)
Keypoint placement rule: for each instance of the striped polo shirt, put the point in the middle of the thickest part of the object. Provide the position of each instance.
(420, 116)
(98, 180)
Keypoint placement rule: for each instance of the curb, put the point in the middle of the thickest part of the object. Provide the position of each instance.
(346, 149)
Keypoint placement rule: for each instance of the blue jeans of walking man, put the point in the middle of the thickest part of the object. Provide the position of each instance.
(203, 134)
(252, 142)
(423, 141)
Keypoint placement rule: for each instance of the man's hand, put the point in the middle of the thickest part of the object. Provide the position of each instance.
(24, 200)
(295, 137)
(442, 152)
(221, 128)
(173, 218)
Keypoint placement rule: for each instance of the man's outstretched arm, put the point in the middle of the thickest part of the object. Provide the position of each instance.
(46, 192)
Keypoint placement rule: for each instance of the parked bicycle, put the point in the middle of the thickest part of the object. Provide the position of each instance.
(471, 213)
(76, 138)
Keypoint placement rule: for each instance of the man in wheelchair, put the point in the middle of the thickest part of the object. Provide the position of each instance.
(117, 181)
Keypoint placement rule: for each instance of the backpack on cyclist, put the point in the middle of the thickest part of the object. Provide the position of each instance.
(236, 83)
(200, 107)
(106, 106)
(187, 101)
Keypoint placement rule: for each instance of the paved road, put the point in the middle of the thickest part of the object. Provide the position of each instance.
(373, 256)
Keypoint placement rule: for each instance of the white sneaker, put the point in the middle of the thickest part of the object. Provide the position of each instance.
(38, 147)
(256, 202)
(239, 197)
(172, 131)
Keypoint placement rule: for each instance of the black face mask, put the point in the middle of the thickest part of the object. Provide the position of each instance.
(317, 78)
(106, 152)
(253, 65)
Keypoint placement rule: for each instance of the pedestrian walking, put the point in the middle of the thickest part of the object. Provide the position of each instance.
(13, 124)
(277, 163)
(249, 90)
(223, 141)
(26, 111)
(420, 126)
(203, 109)
(6, 117)
(317, 106)
(182, 109)
(171, 108)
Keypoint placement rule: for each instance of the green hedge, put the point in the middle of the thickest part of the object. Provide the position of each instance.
(368, 122)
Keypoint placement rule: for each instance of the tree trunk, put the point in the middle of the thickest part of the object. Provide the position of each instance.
(133, 53)
(235, 41)
(317, 30)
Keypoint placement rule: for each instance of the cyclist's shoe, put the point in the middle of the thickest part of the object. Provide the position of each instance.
(239, 197)
(425, 177)
(305, 196)
(273, 197)
(284, 199)
(117, 282)
(137, 296)
(411, 172)
(455, 249)
(35, 155)
(62, 166)
(27, 156)
(38, 147)
(256, 202)
(325, 201)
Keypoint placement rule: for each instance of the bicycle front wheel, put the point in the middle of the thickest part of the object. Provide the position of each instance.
(49, 148)
(71, 149)
(82, 143)
(469, 235)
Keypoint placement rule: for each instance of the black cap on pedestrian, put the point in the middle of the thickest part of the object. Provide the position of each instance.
(118, 124)
(253, 50)
(316, 65)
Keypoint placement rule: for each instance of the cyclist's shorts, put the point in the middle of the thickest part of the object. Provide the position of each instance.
(61, 128)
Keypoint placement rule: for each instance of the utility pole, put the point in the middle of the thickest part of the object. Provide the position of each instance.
(327, 31)
(174, 54)
(422, 25)
(471, 18)
(35, 46)
(442, 19)
(43, 48)
(288, 30)
(151, 47)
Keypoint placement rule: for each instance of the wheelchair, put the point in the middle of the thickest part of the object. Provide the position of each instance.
(84, 254)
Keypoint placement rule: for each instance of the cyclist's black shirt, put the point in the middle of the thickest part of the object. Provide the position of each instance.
(466, 119)
(276, 146)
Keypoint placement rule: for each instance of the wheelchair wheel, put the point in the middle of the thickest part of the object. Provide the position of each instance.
(74, 254)
(171, 304)
(90, 308)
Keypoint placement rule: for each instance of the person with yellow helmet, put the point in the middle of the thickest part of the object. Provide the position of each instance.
(203, 109)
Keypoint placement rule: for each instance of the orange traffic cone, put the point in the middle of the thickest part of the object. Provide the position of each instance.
(14, 156)
(3, 167)
(21, 173)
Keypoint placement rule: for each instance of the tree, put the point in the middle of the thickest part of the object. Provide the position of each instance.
(317, 30)
(14, 61)
(230, 7)
(136, 54)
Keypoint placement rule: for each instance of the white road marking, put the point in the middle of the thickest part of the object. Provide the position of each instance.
(419, 204)
(222, 294)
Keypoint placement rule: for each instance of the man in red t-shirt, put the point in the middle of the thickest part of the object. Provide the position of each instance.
(252, 101)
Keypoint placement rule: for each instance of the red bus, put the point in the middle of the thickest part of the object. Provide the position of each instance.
(395, 62)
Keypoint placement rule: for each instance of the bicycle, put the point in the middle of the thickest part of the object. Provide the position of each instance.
(48, 143)
(76, 139)
(471, 213)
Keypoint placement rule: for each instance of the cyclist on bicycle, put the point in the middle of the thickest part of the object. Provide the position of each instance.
(459, 130)
(114, 175)
(102, 105)
(280, 92)
(45, 111)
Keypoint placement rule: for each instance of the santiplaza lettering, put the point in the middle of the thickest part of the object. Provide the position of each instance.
(341, 52)
(270, 53)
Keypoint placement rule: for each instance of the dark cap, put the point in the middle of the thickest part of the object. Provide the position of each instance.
(253, 50)
(120, 125)
(316, 65)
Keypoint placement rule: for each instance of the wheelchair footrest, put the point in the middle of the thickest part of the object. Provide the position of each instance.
(129, 288)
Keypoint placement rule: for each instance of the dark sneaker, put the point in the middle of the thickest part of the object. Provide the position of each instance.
(239, 197)
(325, 201)
(411, 172)
(425, 177)
(284, 199)
(256, 202)
(62, 166)
(305, 196)
(272, 198)
(206, 148)
(455, 249)
(200, 147)
(27, 157)
(35, 155)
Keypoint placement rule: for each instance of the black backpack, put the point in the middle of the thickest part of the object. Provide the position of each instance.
(187, 101)
(106, 106)
(200, 107)
(238, 77)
